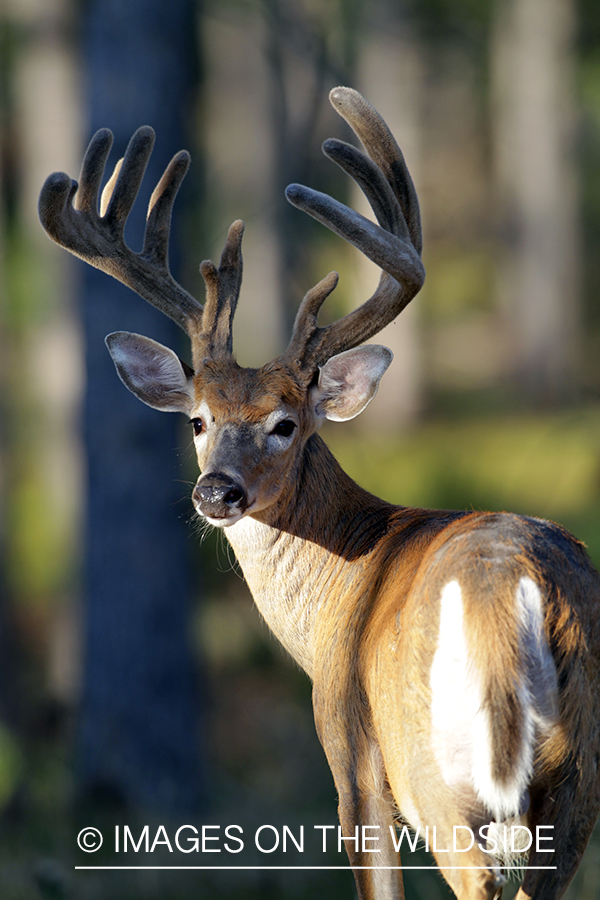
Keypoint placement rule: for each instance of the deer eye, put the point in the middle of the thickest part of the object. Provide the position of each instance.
(197, 425)
(284, 428)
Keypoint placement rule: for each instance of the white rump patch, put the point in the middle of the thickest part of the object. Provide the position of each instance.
(455, 693)
(461, 738)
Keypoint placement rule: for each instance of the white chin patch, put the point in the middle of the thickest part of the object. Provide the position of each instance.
(226, 521)
(223, 522)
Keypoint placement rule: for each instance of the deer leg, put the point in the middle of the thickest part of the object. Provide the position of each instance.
(452, 826)
(571, 811)
(471, 875)
(549, 883)
(370, 850)
(366, 814)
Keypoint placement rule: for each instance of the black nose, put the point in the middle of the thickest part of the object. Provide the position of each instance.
(218, 496)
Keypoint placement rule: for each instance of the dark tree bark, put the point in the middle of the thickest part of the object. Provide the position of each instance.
(139, 713)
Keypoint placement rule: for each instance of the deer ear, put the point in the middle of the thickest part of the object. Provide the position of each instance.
(152, 372)
(349, 381)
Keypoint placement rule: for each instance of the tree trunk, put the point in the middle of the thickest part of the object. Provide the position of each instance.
(139, 711)
(391, 77)
(532, 59)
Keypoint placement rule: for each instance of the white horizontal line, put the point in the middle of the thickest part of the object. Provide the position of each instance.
(312, 868)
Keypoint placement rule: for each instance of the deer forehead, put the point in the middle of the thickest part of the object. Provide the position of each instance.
(250, 395)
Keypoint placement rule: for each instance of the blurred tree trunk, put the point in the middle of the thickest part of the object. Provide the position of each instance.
(5, 636)
(301, 60)
(533, 82)
(374, 53)
(41, 353)
(139, 711)
(391, 76)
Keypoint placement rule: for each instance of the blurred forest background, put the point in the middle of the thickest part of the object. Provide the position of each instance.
(137, 683)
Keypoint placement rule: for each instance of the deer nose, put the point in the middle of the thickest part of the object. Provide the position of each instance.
(218, 496)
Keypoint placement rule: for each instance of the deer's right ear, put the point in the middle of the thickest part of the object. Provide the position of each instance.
(152, 372)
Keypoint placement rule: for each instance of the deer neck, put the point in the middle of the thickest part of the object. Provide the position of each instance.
(310, 547)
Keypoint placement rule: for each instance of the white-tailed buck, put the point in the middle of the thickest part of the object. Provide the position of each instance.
(455, 656)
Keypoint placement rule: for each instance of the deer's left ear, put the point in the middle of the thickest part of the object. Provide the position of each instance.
(349, 381)
(152, 372)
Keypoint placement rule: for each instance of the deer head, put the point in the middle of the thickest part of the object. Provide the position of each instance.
(250, 425)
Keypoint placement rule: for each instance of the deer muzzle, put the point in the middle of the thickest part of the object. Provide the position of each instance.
(217, 496)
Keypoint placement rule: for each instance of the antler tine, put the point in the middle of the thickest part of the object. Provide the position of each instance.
(92, 170)
(119, 195)
(69, 213)
(380, 144)
(222, 293)
(394, 244)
